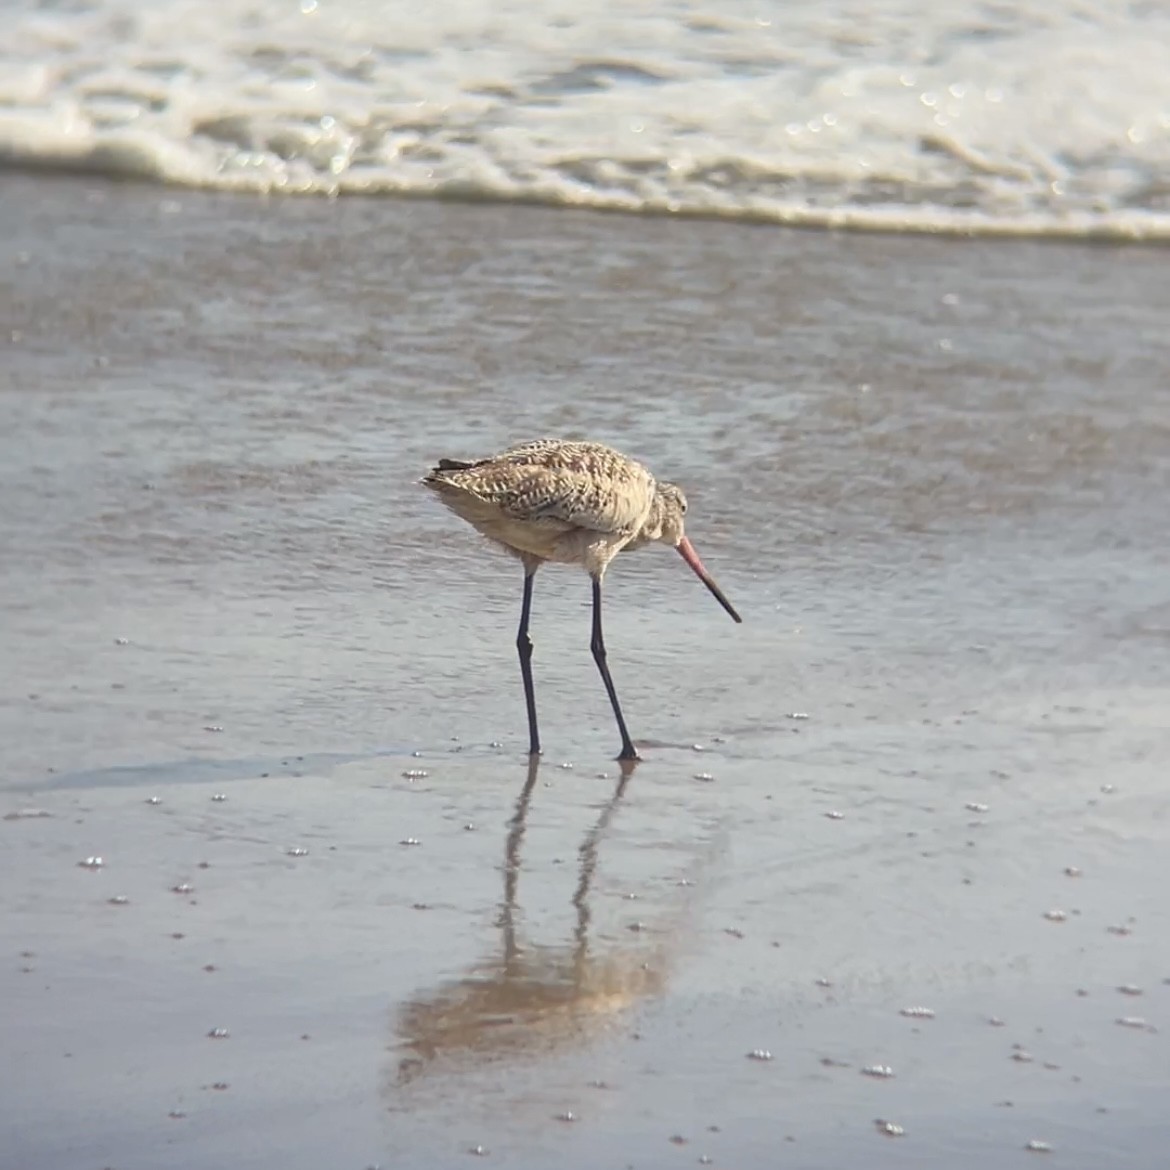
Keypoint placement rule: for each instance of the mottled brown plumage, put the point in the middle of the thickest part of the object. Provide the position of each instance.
(567, 502)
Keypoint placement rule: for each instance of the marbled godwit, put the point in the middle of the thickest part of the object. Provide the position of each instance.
(569, 503)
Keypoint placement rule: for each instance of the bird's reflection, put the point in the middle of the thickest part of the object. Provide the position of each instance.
(532, 999)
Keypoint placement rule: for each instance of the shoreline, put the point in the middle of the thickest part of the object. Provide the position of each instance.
(1076, 228)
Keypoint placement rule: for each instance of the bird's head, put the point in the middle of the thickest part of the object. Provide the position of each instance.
(665, 522)
(667, 510)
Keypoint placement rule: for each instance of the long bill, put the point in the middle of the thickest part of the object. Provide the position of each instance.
(687, 552)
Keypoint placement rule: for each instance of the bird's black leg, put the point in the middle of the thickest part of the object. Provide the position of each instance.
(524, 646)
(598, 648)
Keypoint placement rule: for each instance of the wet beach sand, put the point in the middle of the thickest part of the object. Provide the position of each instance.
(255, 669)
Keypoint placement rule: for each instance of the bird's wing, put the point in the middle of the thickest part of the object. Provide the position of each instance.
(578, 499)
(578, 484)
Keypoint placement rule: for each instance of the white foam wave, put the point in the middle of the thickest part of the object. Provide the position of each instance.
(1036, 118)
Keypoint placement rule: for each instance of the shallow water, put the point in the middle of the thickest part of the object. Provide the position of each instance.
(930, 475)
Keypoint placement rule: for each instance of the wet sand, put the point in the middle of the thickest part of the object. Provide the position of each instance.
(930, 474)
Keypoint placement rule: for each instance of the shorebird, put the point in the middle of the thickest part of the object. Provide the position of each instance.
(574, 503)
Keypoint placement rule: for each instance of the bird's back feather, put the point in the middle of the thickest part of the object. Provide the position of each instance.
(582, 485)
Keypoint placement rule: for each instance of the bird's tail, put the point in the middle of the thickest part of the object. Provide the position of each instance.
(437, 477)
